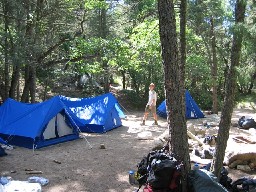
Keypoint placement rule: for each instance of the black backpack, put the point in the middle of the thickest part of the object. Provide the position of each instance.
(246, 185)
(246, 123)
(160, 169)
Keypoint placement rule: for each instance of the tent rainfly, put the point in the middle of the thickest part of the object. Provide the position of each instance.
(96, 114)
(36, 125)
(192, 109)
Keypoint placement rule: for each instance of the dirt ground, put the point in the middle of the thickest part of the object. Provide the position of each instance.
(95, 170)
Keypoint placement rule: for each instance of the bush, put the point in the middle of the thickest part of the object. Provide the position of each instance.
(130, 99)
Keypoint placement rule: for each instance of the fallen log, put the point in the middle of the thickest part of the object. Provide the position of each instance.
(244, 154)
(192, 136)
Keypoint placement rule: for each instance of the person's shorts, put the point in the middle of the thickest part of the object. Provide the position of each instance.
(150, 108)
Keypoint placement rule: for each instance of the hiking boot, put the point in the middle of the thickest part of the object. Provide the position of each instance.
(155, 123)
(143, 122)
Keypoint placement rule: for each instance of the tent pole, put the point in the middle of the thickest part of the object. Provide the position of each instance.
(124, 108)
(80, 132)
(85, 139)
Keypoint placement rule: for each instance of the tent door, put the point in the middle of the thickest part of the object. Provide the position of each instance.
(49, 132)
(57, 127)
(62, 127)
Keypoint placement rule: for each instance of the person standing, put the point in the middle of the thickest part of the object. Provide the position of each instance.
(151, 105)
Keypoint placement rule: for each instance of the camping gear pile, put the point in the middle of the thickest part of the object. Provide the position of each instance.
(33, 184)
(203, 180)
(246, 123)
(159, 171)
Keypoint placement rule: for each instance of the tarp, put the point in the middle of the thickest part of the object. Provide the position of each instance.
(25, 124)
(205, 181)
(192, 109)
(95, 114)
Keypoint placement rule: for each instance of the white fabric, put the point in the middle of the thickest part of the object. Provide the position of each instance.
(152, 98)
(49, 132)
(22, 186)
(1, 188)
(62, 127)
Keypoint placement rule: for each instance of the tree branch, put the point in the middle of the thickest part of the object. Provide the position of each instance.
(51, 49)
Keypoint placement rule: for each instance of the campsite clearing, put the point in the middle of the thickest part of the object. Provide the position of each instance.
(96, 169)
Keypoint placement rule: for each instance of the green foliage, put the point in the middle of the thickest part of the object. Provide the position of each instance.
(130, 45)
(135, 100)
(247, 101)
(96, 4)
(145, 64)
(141, 10)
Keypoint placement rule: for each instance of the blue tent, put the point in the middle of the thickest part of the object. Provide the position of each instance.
(3, 141)
(96, 114)
(36, 125)
(192, 109)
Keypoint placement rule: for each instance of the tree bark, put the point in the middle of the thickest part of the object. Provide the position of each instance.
(253, 78)
(214, 69)
(25, 93)
(32, 83)
(15, 81)
(103, 35)
(183, 44)
(6, 52)
(173, 89)
(16, 66)
(123, 79)
(28, 36)
(33, 66)
(106, 76)
(226, 114)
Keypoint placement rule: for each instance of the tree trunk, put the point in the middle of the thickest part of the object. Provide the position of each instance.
(183, 44)
(123, 79)
(214, 69)
(32, 68)
(6, 52)
(14, 51)
(106, 76)
(25, 93)
(253, 78)
(28, 36)
(226, 114)
(173, 91)
(32, 83)
(15, 81)
(103, 34)
(46, 83)
(18, 91)
(183, 55)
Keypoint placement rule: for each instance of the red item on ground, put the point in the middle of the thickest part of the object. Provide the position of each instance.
(147, 188)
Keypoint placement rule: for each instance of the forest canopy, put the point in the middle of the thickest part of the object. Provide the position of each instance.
(78, 48)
